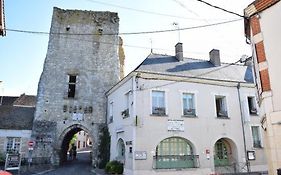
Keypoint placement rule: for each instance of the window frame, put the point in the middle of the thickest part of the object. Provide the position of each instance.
(254, 104)
(194, 100)
(13, 144)
(259, 134)
(224, 102)
(165, 102)
(70, 84)
(110, 112)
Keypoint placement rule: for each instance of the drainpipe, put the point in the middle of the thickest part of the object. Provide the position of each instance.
(243, 129)
(134, 117)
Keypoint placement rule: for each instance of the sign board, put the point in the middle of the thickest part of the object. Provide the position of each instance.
(251, 155)
(140, 155)
(12, 162)
(77, 117)
(30, 143)
(175, 125)
(129, 142)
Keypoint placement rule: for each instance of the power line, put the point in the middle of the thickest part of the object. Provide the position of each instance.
(217, 7)
(126, 33)
(199, 76)
(143, 11)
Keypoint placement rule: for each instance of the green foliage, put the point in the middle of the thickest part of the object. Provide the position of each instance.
(104, 147)
(114, 167)
(73, 140)
(2, 158)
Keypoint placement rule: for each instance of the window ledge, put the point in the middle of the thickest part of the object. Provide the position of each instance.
(158, 115)
(222, 117)
(258, 147)
(254, 114)
(189, 116)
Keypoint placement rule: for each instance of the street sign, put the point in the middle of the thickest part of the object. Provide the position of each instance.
(30, 143)
(12, 162)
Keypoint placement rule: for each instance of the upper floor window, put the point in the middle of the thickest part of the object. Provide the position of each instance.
(71, 85)
(252, 105)
(158, 103)
(13, 144)
(221, 108)
(256, 136)
(126, 112)
(188, 104)
(110, 112)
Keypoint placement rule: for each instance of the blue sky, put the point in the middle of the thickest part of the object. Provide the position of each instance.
(22, 55)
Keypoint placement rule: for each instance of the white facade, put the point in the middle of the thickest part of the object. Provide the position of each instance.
(142, 132)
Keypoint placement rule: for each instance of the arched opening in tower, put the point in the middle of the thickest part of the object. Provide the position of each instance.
(76, 147)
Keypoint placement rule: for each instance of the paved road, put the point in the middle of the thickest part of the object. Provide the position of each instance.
(81, 166)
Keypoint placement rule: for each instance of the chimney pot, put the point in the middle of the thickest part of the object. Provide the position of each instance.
(215, 57)
(179, 52)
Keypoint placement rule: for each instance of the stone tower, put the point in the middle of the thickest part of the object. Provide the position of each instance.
(82, 63)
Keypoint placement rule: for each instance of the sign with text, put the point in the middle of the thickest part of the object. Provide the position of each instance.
(12, 162)
(140, 155)
(175, 125)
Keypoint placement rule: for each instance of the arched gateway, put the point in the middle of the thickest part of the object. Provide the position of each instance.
(77, 72)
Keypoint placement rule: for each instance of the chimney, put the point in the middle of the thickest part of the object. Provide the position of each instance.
(179, 53)
(215, 57)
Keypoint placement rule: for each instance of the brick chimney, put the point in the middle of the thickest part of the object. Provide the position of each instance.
(215, 57)
(179, 53)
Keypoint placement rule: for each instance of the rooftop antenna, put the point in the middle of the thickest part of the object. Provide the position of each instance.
(151, 50)
(177, 26)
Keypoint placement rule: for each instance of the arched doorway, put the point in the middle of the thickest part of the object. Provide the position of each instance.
(121, 151)
(75, 139)
(225, 156)
(175, 152)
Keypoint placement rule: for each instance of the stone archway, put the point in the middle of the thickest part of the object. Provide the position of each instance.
(64, 140)
(225, 156)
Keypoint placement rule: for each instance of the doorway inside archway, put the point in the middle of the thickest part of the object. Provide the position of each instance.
(76, 147)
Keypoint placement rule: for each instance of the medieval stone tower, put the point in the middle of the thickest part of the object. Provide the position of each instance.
(82, 63)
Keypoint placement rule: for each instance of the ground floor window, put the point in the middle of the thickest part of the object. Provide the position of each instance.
(121, 150)
(174, 152)
(13, 144)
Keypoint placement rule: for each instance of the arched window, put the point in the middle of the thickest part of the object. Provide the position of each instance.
(121, 150)
(175, 152)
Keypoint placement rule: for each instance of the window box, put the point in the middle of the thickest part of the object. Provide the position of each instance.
(159, 111)
(189, 112)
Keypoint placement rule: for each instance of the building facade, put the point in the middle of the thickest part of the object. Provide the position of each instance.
(262, 29)
(82, 63)
(176, 115)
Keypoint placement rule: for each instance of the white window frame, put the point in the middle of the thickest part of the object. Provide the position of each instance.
(260, 134)
(128, 102)
(226, 104)
(255, 105)
(165, 101)
(194, 93)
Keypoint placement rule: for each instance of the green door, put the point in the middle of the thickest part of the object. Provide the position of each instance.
(221, 154)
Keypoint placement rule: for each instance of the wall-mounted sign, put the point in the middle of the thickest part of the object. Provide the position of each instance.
(12, 162)
(140, 155)
(251, 155)
(77, 117)
(175, 125)
(129, 142)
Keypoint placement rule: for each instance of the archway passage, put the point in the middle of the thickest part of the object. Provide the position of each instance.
(225, 156)
(76, 146)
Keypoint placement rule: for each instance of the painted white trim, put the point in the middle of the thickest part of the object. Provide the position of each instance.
(260, 134)
(226, 95)
(194, 99)
(165, 100)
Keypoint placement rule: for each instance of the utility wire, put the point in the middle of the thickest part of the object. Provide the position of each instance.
(125, 33)
(143, 11)
(217, 7)
(199, 76)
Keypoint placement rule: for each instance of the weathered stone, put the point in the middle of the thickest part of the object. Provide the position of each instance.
(84, 44)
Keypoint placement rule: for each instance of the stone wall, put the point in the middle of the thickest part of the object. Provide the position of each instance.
(84, 44)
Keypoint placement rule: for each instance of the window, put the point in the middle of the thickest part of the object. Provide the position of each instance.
(188, 104)
(71, 86)
(158, 103)
(13, 144)
(252, 105)
(121, 150)
(221, 107)
(175, 152)
(110, 112)
(256, 136)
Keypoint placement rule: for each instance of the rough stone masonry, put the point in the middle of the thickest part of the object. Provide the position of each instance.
(82, 63)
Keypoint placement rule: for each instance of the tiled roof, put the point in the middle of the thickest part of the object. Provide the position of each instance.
(16, 118)
(190, 67)
(7, 100)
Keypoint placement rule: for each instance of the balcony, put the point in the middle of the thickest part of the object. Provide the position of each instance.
(175, 161)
